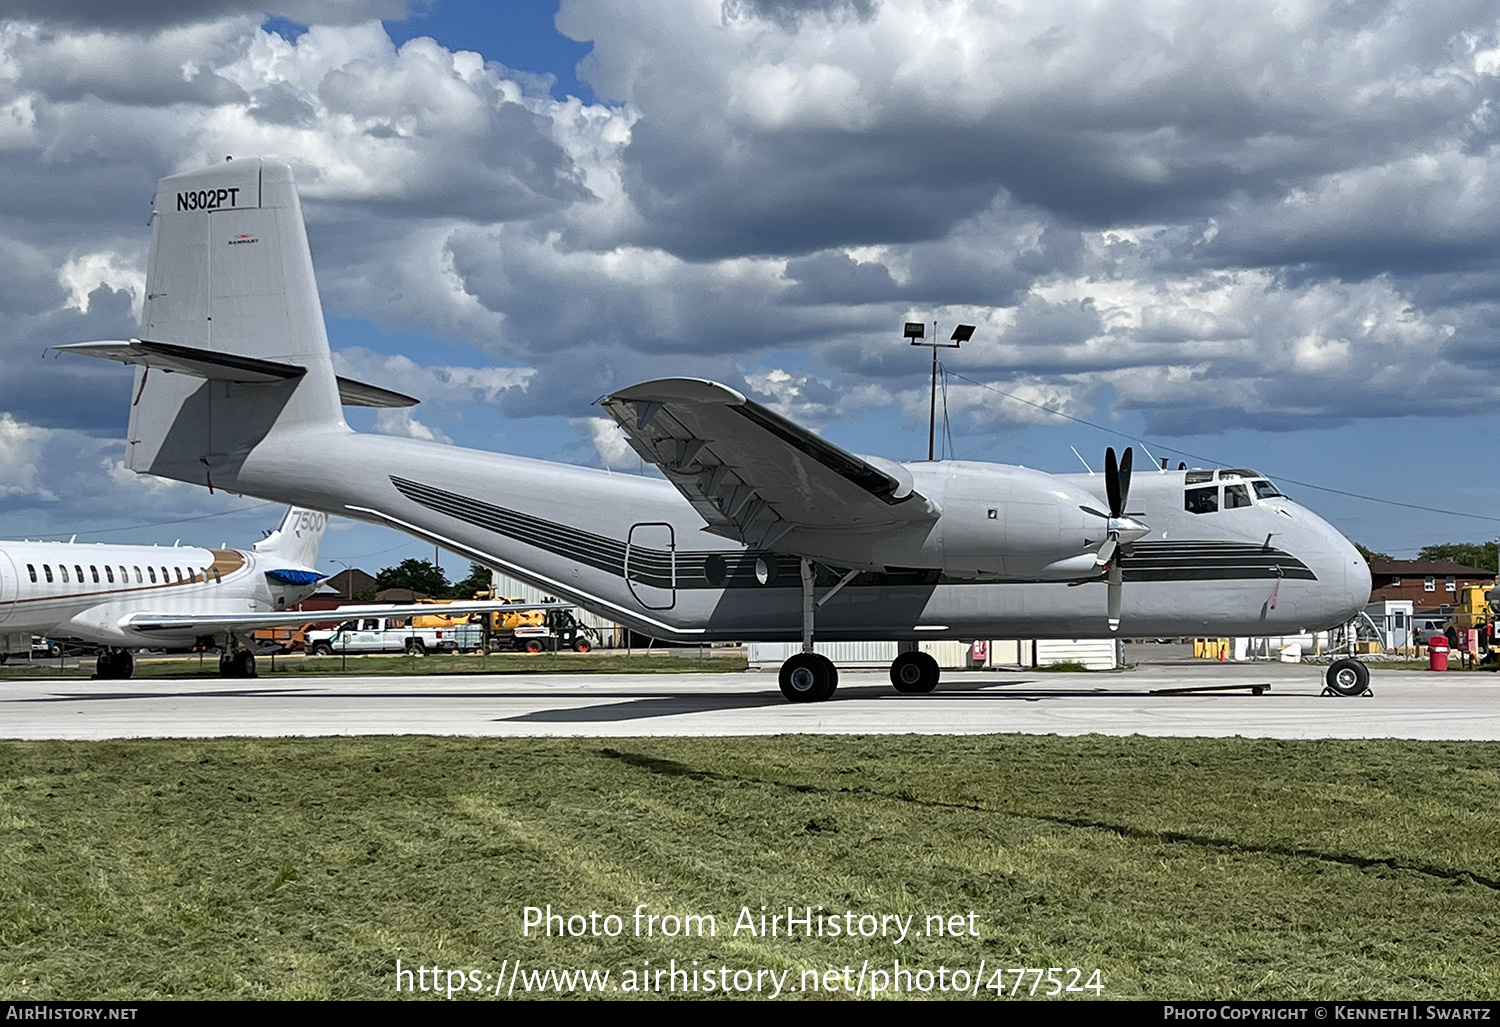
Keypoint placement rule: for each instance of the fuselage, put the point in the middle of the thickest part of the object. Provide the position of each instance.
(85, 592)
(1012, 555)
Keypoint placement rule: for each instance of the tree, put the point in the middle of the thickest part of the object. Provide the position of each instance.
(417, 575)
(477, 581)
(1370, 554)
(1471, 554)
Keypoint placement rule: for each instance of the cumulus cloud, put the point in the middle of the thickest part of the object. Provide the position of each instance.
(1271, 214)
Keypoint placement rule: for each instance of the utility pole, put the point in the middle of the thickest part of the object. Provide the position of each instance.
(915, 331)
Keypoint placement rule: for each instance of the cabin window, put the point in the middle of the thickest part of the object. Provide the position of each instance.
(62, 571)
(1201, 501)
(124, 576)
(139, 578)
(32, 571)
(47, 570)
(109, 572)
(217, 579)
(95, 572)
(78, 570)
(151, 573)
(1236, 496)
(179, 573)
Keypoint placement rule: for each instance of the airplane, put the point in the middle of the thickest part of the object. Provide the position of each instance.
(761, 531)
(120, 597)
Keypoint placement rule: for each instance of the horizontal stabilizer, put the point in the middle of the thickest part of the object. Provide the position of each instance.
(200, 363)
(359, 394)
(229, 367)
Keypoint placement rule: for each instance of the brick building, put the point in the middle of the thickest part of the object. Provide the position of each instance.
(1427, 583)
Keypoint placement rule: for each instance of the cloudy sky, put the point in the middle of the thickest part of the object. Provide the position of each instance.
(1248, 233)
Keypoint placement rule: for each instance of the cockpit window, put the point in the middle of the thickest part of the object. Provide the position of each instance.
(1201, 501)
(1198, 477)
(1236, 496)
(1238, 472)
(1264, 489)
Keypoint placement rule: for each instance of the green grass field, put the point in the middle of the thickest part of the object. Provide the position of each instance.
(1178, 868)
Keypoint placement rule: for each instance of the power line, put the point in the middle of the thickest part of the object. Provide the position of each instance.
(158, 524)
(1219, 463)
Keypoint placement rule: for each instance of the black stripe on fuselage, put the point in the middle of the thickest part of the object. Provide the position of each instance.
(697, 569)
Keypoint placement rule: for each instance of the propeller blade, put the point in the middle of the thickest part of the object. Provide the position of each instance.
(1112, 483)
(1107, 551)
(1124, 481)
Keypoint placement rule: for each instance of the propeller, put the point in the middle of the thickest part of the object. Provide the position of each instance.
(1120, 529)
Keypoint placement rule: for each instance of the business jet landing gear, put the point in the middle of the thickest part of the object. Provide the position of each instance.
(1347, 677)
(114, 663)
(915, 673)
(236, 663)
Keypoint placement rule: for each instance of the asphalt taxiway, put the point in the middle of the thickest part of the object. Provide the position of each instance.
(1404, 704)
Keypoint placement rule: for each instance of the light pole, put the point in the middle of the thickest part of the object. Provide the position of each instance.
(348, 578)
(915, 331)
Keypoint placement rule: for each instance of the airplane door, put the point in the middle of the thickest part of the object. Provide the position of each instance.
(651, 564)
(8, 579)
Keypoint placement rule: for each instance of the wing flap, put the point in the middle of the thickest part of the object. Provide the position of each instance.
(753, 475)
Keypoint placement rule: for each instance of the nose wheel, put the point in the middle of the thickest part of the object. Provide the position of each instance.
(1347, 677)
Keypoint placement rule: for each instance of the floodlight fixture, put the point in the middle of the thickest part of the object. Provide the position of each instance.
(916, 331)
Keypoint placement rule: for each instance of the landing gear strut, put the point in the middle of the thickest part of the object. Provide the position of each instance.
(809, 676)
(114, 663)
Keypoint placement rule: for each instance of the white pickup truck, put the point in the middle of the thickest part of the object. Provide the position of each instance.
(392, 635)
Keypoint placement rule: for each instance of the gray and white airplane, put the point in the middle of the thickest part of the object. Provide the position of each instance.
(762, 530)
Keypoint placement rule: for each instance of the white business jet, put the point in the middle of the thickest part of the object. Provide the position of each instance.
(762, 530)
(121, 598)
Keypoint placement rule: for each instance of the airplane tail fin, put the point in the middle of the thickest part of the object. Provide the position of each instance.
(232, 346)
(298, 539)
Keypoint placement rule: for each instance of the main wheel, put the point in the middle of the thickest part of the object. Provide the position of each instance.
(915, 673)
(414, 647)
(1348, 677)
(808, 677)
(124, 664)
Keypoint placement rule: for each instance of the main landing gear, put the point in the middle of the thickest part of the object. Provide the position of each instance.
(236, 663)
(114, 663)
(811, 677)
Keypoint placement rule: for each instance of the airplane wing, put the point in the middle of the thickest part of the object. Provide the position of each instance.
(753, 475)
(207, 624)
